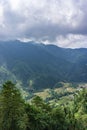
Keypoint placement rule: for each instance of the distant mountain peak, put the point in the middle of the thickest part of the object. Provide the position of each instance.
(44, 65)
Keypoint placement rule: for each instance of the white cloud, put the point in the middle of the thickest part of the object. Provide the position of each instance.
(43, 20)
(72, 41)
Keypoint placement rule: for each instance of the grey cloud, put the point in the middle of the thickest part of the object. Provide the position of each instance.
(45, 22)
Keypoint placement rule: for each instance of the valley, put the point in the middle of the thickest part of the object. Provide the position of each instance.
(40, 66)
(45, 85)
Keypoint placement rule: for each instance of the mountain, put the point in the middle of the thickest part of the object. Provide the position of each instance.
(41, 66)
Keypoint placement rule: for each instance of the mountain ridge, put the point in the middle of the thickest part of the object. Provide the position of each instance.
(43, 65)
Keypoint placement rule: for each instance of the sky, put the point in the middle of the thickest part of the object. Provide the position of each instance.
(59, 22)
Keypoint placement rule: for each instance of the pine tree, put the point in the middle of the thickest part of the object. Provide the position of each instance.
(12, 108)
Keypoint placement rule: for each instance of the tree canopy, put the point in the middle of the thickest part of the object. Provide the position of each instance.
(16, 114)
(12, 108)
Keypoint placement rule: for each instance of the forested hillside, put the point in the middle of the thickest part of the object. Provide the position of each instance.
(16, 114)
(41, 66)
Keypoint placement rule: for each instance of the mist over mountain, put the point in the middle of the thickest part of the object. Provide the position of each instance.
(41, 66)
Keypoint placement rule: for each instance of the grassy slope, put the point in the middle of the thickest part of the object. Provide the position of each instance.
(60, 95)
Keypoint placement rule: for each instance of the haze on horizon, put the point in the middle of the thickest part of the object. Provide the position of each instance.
(63, 23)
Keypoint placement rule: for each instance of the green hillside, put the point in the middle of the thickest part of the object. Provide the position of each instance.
(39, 66)
(17, 114)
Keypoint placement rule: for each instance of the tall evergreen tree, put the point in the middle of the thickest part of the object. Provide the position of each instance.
(12, 108)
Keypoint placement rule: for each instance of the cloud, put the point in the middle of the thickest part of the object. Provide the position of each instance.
(42, 20)
(71, 40)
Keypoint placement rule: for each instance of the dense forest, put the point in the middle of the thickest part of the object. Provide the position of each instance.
(40, 66)
(18, 114)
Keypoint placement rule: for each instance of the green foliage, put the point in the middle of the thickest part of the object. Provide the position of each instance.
(15, 114)
(65, 117)
(12, 110)
(58, 119)
(45, 65)
(80, 106)
(38, 119)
